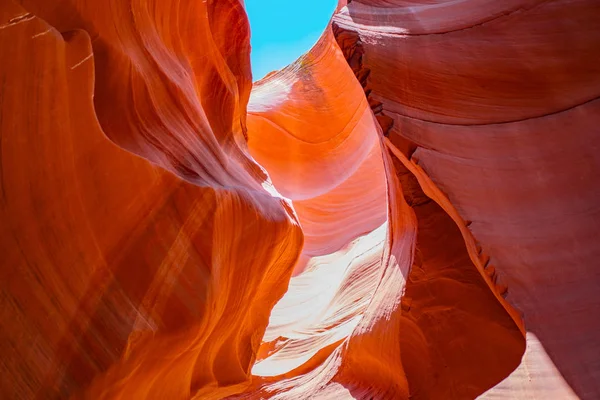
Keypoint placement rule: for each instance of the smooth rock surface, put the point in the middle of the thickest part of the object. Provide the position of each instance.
(407, 211)
(498, 104)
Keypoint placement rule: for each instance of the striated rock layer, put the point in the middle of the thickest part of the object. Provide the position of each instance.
(123, 278)
(406, 211)
(497, 105)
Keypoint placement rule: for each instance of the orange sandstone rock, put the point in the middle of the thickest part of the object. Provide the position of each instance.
(407, 211)
(121, 279)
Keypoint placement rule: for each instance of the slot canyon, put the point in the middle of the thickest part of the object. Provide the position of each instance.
(407, 211)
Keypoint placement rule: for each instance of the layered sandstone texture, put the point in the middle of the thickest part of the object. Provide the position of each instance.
(409, 210)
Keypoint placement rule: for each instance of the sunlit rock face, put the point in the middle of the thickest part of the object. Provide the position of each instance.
(407, 211)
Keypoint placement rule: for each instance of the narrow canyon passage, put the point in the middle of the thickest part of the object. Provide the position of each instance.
(408, 210)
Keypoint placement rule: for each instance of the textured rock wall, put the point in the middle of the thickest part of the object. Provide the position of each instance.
(407, 211)
(123, 278)
(497, 104)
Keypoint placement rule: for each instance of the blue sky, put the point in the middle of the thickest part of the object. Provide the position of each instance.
(283, 30)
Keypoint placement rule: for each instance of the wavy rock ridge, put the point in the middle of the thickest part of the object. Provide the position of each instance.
(407, 211)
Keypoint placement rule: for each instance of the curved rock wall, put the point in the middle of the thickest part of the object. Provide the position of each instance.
(497, 104)
(117, 271)
(407, 211)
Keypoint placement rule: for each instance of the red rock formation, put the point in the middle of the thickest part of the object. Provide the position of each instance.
(498, 105)
(355, 258)
(121, 279)
(170, 231)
